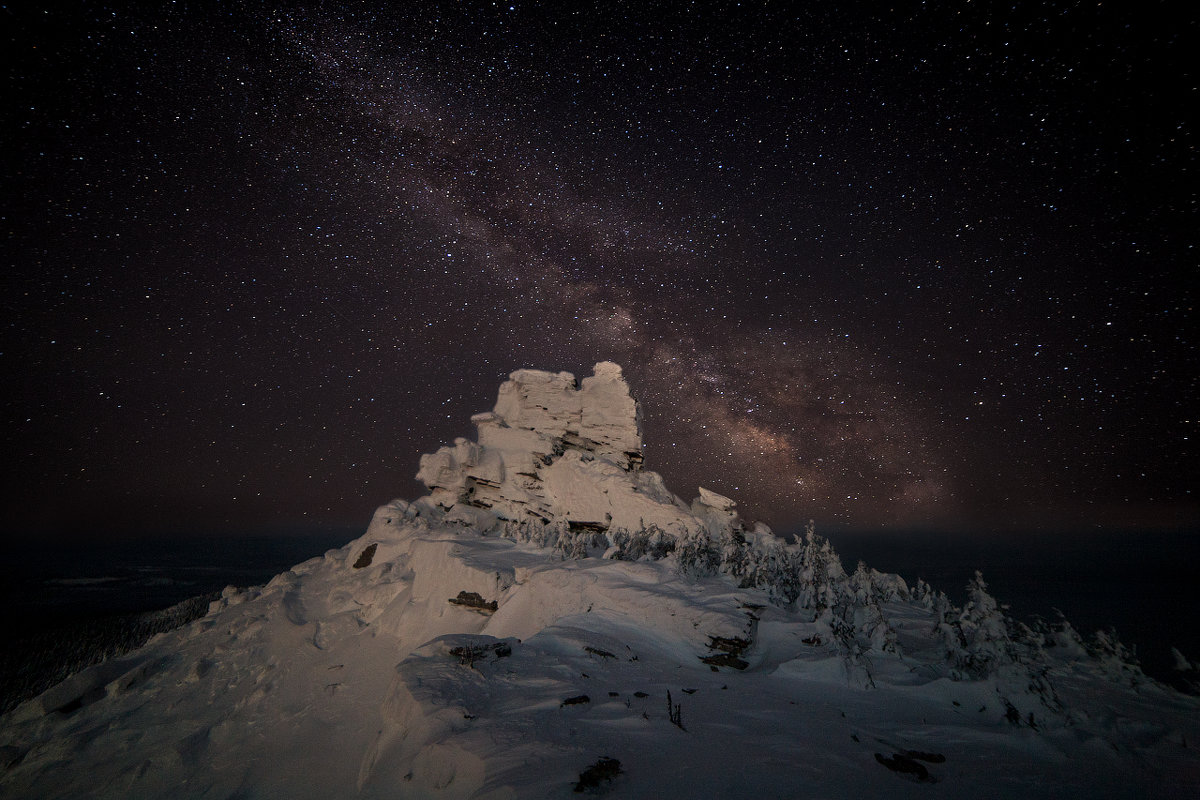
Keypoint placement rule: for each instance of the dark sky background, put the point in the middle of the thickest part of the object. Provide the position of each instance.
(926, 266)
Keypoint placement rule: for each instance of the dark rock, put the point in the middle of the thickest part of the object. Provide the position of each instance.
(901, 763)
(724, 660)
(468, 655)
(603, 770)
(578, 699)
(366, 556)
(474, 600)
(728, 645)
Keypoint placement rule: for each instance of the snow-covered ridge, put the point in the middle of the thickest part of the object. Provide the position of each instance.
(550, 618)
(558, 464)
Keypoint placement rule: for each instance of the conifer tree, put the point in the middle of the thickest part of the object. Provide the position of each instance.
(984, 631)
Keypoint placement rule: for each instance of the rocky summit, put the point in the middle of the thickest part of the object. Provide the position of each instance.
(555, 449)
(551, 620)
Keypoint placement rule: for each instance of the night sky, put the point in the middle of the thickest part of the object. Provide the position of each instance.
(926, 266)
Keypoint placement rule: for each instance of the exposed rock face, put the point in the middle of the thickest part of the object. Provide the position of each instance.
(597, 416)
(555, 449)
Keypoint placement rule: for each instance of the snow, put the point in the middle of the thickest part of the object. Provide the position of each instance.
(354, 675)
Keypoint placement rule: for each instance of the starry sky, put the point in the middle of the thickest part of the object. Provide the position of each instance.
(926, 265)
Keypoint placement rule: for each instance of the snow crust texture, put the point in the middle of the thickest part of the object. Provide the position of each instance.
(522, 633)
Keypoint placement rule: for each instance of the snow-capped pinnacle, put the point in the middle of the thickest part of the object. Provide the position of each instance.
(555, 449)
(598, 415)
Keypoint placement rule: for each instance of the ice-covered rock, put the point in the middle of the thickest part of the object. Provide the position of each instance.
(555, 449)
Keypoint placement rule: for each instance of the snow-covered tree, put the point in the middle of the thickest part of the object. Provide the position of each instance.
(1061, 637)
(984, 629)
(922, 594)
(649, 542)
(865, 610)
(820, 573)
(696, 554)
(1115, 659)
(736, 559)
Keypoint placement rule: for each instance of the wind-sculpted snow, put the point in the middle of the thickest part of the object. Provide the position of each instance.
(500, 638)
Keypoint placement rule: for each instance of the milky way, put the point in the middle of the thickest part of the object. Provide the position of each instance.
(906, 269)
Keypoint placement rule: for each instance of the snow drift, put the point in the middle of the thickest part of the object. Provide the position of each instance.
(550, 619)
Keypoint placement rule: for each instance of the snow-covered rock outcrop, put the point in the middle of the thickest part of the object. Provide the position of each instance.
(551, 618)
(559, 450)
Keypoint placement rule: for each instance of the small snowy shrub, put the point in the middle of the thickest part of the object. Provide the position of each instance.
(697, 557)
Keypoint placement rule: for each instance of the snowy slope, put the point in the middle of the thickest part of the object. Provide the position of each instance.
(530, 618)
